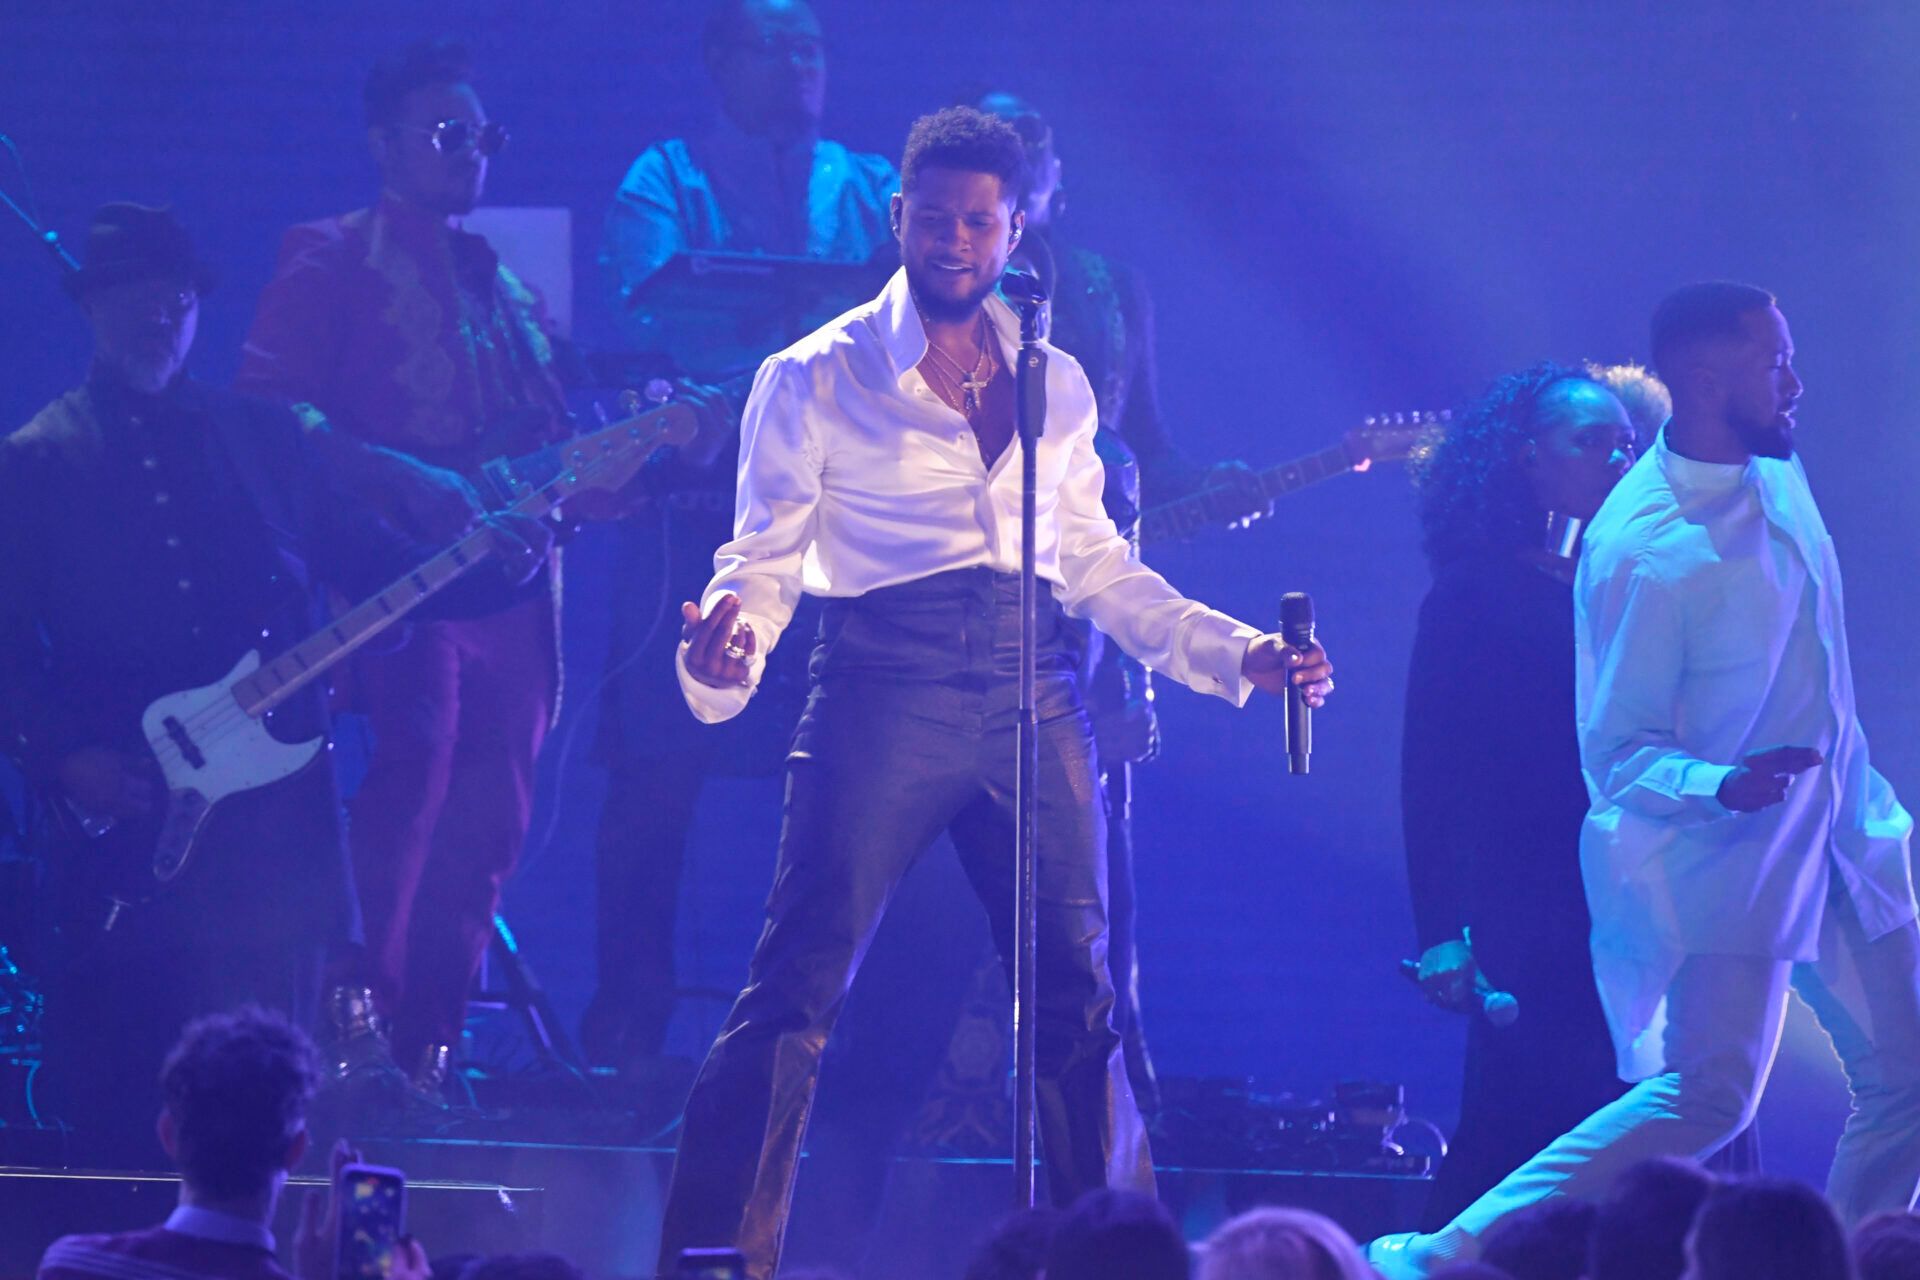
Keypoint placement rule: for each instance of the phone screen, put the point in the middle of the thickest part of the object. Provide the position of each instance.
(712, 1264)
(372, 1218)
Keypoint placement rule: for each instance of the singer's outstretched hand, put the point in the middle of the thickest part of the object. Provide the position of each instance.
(716, 646)
(1272, 664)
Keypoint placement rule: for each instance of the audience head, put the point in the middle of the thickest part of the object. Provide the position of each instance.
(1117, 1235)
(1548, 438)
(1282, 1244)
(237, 1087)
(427, 129)
(1017, 1249)
(1767, 1229)
(1640, 1229)
(1887, 1247)
(769, 66)
(1726, 354)
(1546, 1241)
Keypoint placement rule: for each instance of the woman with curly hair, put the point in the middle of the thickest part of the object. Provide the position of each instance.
(1490, 787)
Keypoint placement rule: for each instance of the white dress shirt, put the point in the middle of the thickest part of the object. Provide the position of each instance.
(1709, 624)
(854, 475)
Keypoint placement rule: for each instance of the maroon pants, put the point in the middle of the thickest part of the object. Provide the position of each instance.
(457, 716)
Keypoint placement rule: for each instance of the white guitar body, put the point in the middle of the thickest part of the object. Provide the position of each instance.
(209, 748)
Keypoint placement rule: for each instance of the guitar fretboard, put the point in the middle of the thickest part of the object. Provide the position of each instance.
(1221, 504)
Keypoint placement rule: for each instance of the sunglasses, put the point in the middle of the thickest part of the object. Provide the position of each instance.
(450, 137)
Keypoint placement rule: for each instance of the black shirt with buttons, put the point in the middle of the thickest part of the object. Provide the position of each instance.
(147, 542)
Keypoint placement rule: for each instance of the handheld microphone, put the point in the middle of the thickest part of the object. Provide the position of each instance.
(1501, 1008)
(1296, 628)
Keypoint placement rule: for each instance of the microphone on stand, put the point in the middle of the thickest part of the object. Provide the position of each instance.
(1296, 628)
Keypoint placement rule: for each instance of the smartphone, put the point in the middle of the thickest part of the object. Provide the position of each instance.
(712, 1264)
(373, 1216)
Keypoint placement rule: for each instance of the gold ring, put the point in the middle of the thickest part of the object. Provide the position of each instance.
(733, 650)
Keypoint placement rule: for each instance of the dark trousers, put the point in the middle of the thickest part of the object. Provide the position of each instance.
(909, 731)
(263, 901)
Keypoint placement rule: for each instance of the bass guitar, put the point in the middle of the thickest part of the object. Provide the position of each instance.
(212, 743)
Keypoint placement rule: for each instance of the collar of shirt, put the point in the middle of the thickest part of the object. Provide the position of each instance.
(1691, 473)
(420, 231)
(120, 408)
(731, 146)
(225, 1228)
(905, 338)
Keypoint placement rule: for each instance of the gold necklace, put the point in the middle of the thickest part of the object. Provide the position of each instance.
(968, 384)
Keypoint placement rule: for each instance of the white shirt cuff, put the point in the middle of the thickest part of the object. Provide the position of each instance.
(1217, 657)
(711, 705)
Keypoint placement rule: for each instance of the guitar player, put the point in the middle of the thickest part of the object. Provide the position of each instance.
(406, 330)
(155, 530)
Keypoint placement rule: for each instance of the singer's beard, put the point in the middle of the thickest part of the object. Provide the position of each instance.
(946, 308)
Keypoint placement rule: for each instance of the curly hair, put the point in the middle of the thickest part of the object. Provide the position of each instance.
(420, 65)
(237, 1086)
(1648, 402)
(1474, 491)
(1274, 1241)
(969, 140)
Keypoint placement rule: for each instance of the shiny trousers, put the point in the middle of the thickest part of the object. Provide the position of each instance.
(910, 730)
(457, 716)
(1725, 1014)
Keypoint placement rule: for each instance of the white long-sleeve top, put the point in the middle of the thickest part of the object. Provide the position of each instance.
(1709, 624)
(854, 475)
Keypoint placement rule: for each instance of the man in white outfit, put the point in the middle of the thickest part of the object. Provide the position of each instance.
(1739, 845)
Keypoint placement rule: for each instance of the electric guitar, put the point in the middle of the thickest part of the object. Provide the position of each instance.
(212, 742)
(1385, 438)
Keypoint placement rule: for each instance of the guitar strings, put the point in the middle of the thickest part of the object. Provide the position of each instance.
(216, 723)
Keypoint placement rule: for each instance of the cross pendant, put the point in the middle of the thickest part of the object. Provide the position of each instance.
(973, 387)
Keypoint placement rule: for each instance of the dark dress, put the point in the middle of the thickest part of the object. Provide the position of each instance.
(1492, 801)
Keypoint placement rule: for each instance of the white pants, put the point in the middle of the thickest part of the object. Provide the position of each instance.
(1724, 1019)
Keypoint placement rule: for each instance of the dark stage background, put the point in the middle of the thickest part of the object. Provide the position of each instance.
(1342, 208)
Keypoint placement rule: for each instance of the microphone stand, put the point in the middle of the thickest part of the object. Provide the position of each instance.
(46, 236)
(1030, 385)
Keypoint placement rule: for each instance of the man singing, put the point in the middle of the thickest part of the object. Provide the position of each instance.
(877, 468)
(1738, 843)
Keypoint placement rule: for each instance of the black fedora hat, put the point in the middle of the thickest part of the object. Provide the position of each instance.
(137, 242)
